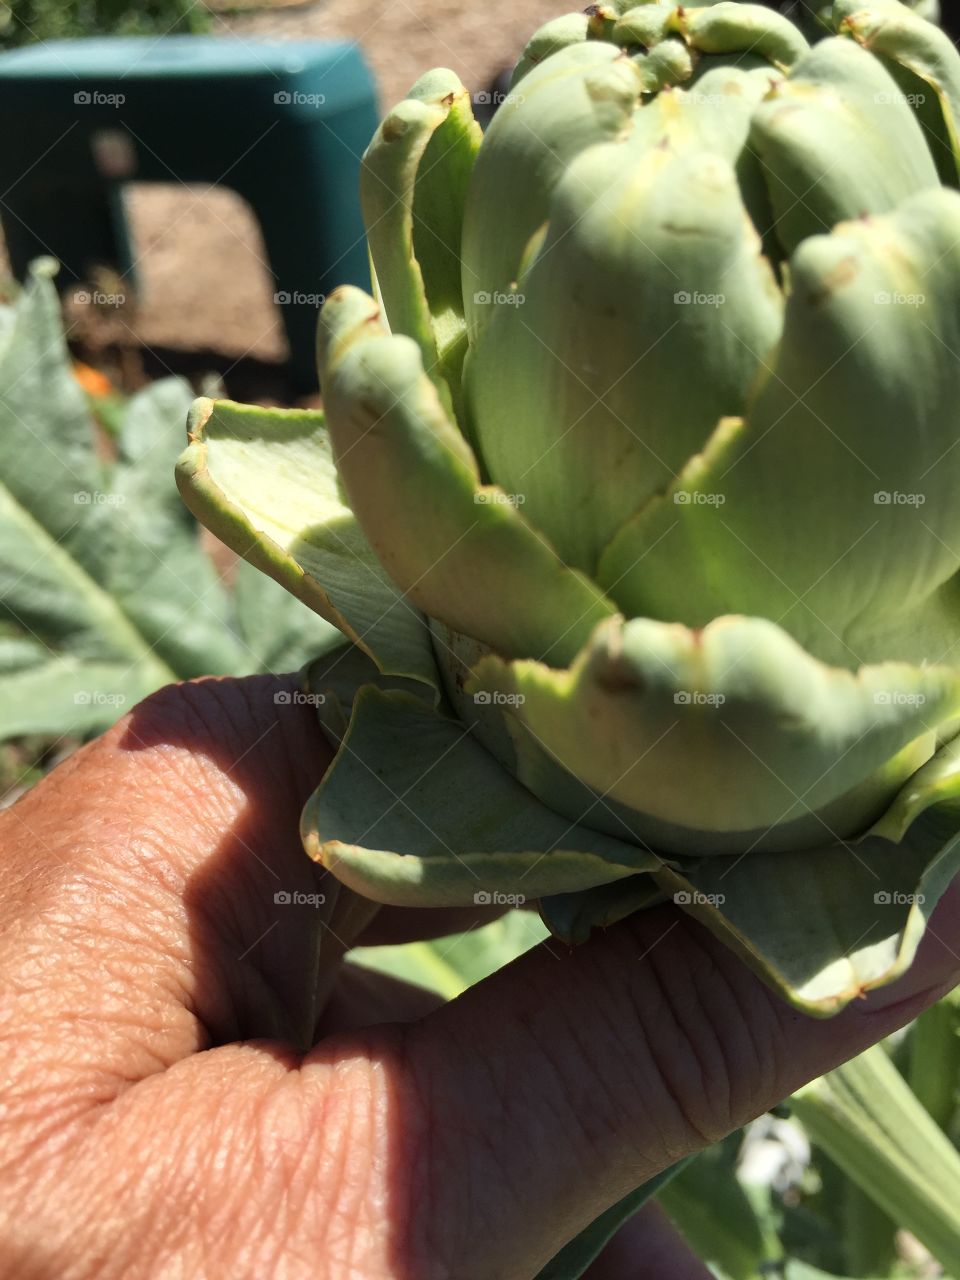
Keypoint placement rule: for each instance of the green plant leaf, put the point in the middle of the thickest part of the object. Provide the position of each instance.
(413, 185)
(877, 580)
(279, 632)
(825, 926)
(264, 482)
(450, 965)
(869, 1234)
(460, 550)
(785, 751)
(572, 1261)
(934, 1061)
(105, 586)
(588, 411)
(414, 812)
(838, 101)
(150, 555)
(65, 696)
(865, 1116)
(584, 94)
(714, 1215)
(101, 570)
(904, 40)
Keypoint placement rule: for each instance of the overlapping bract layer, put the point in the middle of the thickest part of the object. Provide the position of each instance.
(652, 433)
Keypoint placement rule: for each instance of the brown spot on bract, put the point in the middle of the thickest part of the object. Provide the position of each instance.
(393, 128)
(619, 678)
(842, 274)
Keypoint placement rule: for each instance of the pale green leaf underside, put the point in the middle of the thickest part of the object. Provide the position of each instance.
(823, 927)
(826, 926)
(264, 482)
(572, 917)
(414, 812)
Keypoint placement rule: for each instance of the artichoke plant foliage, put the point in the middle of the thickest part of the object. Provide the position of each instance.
(636, 494)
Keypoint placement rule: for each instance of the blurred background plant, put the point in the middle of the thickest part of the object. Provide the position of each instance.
(107, 589)
(25, 21)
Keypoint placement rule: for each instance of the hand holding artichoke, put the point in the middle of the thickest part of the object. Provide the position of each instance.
(636, 492)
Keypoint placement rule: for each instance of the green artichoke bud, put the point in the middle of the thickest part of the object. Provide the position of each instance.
(816, 16)
(636, 494)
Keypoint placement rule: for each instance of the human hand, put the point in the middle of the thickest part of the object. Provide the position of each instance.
(158, 1119)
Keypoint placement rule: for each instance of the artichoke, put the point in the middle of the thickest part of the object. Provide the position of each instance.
(635, 499)
(815, 16)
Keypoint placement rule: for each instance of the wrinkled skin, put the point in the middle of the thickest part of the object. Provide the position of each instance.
(149, 1131)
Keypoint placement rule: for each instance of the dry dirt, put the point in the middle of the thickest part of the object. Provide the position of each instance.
(204, 284)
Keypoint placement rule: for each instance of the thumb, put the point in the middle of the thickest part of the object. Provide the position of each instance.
(138, 898)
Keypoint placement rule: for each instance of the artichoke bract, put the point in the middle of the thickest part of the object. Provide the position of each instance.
(635, 498)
